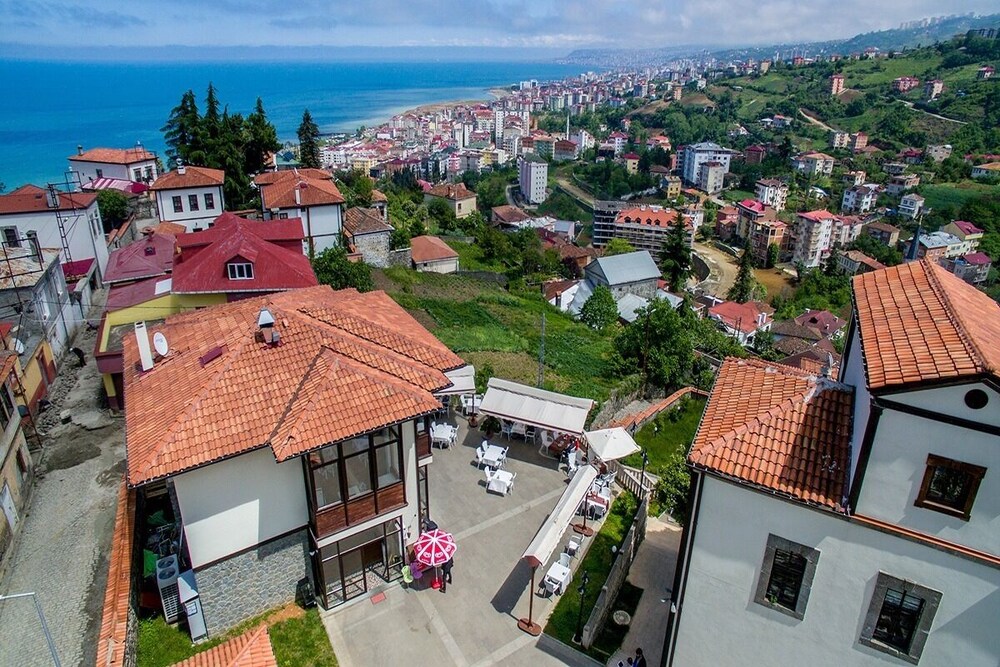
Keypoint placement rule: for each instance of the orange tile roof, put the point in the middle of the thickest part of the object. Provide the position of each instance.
(358, 220)
(114, 155)
(348, 363)
(430, 249)
(778, 428)
(919, 323)
(33, 199)
(251, 649)
(453, 191)
(315, 188)
(111, 647)
(742, 316)
(193, 177)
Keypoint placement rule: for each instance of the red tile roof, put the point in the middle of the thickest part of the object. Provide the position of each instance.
(348, 363)
(430, 249)
(32, 199)
(315, 187)
(111, 645)
(509, 214)
(193, 177)
(647, 215)
(251, 649)
(977, 258)
(152, 255)
(920, 324)
(966, 227)
(741, 316)
(777, 428)
(453, 191)
(359, 220)
(823, 321)
(200, 266)
(114, 155)
(817, 216)
(269, 177)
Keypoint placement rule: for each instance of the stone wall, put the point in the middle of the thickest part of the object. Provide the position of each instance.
(374, 248)
(644, 288)
(401, 257)
(254, 581)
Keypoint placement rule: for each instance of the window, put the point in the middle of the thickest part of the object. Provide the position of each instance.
(786, 576)
(240, 270)
(209, 201)
(977, 399)
(282, 216)
(137, 175)
(147, 174)
(350, 469)
(193, 202)
(6, 404)
(178, 206)
(899, 617)
(11, 239)
(100, 173)
(358, 474)
(949, 486)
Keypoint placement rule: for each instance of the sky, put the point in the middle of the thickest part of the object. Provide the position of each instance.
(555, 24)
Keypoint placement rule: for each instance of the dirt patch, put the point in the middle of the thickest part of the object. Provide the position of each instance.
(72, 453)
(777, 282)
(111, 476)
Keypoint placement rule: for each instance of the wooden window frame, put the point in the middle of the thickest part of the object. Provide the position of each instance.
(975, 472)
(178, 203)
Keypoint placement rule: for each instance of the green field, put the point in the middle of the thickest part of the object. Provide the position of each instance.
(670, 431)
(955, 194)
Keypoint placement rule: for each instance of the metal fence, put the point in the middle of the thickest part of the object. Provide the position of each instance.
(619, 571)
(25, 639)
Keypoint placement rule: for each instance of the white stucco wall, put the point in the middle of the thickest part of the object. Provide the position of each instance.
(322, 224)
(187, 217)
(721, 625)
(84, 231)
(237, 503)
(88, 170)
(951, 401)
(896, 469)
(439, 266)
(853, 373)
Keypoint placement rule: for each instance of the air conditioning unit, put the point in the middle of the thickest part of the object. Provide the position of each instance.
(167, 571)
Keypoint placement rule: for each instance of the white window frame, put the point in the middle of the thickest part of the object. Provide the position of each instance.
(240, 270)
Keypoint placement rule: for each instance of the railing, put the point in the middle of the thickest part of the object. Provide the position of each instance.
(360, 509)
(630, 479)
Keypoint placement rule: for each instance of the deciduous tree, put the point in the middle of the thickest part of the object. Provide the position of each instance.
(599, 311)
(333, 268)
(617, 246)
(113, 206)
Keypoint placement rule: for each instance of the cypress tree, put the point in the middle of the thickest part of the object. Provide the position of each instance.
(262, 139)
(182, 130)
(308, 141)
(675, 255)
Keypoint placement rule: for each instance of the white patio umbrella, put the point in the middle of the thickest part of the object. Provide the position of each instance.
(611, 444)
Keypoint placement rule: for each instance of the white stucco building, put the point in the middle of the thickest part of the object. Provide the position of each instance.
(533, 174)
(68, 221)
(309, 194)
(694, 155)
(127, 164)
(190, 196)
(853, 522)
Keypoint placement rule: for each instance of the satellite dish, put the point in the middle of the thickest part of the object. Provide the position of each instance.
(160, 344)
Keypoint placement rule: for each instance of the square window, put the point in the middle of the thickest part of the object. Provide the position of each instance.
(899, 617)
(209, 201)
(11, 239)
(786, 576)
(193, 202)
(949, 486)
(178, 205)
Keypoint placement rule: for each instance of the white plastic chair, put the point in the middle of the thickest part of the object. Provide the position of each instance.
(480, 453)
(503, 457)
(573, 547)
(489, 476)
(551, 586)
(506, 429)
(564, 559)
(510, 485)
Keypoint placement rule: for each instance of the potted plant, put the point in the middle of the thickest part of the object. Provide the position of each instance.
(490, 426)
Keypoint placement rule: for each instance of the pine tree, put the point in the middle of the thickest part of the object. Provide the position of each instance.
(745, 287)
(262, 139)
(211, 124)
(308, 141)
(182, 131)
(230, 156)
(675, 255)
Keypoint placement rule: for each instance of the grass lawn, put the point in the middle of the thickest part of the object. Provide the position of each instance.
(597, 563)
(737, 195)
(299, 640)
(484, 324)
(470, 258)
(671, 430)
(955, 194)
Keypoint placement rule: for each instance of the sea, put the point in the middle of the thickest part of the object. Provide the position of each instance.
(50, 108)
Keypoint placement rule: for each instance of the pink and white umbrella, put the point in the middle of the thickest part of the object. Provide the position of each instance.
(434, 548)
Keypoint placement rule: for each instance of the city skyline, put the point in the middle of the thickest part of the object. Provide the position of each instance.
(544, 24)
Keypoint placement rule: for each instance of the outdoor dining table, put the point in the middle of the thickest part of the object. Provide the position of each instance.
(558, 574)
(442, 433)
(500, 481)
(561, 444)
(470, 403)
(494, 456)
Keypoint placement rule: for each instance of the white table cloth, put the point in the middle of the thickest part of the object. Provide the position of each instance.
(494, 456)
(500, 482)
(443, 433)
(558, 574)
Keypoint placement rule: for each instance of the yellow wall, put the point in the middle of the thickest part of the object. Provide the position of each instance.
(31, 374)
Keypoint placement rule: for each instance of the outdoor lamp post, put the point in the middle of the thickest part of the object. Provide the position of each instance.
(582, 590)
(642, 475)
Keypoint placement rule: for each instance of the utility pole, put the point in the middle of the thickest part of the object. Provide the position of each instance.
(541, 356)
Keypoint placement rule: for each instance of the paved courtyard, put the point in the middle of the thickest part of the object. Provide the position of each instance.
(61, 553)
(475, 622)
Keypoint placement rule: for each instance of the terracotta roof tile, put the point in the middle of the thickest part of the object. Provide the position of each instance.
(193, 177)
(429, 249)
(315, 188)
(111, 645)
(453, 191)
(33, 199)
(358, 220)
(348, 363)
(779, 428)
(114, 155)
(918, 323)
(251, 649)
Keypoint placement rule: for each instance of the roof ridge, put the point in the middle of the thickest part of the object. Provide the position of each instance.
(248, 645)
(961, 328)
(291, 401)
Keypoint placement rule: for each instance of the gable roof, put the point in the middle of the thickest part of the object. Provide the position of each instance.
(193, 177)
(740, 316)
(629, 267)
(33, 199)
(348, 363)
(509, 214)
(151, 255)
(251, 649)
(966, 227)
(822, 320)
(315, 188)
(778, 428)
(430, 249)
(360, 220)
(920, 324)
(452, 191)
(114, 155)
(200, 266)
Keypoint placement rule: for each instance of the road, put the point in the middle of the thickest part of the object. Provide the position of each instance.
(576, 192)
(815, 121)
(909, 105)
(722, 269)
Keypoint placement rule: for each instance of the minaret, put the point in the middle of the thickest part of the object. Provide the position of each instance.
(913, 252)
(567, 125)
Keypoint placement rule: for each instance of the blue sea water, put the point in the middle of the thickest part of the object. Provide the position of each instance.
(49, 108)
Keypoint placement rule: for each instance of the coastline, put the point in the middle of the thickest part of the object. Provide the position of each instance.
(491, 94)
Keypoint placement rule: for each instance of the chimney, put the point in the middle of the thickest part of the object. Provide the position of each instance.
(142, 340)
(181, 169)
(298, 194)
(79, 149)
(265, 322)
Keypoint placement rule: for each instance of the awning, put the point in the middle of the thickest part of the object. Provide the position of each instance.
(610, 444)
(536, 407)
(463, 381)
(550, 533)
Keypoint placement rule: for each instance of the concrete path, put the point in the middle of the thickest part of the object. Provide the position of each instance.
(61, 552)
(653, 572)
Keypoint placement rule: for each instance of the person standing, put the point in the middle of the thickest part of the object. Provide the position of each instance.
(640, 659)
(446, 570)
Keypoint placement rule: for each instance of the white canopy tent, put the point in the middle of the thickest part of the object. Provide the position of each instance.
(551, 530)
(463, 381)
(535, 407)
(610, 444)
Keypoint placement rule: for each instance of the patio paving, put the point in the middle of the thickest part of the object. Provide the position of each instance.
(475, 622)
